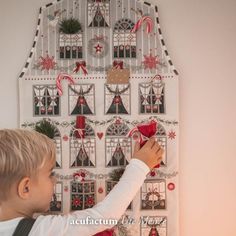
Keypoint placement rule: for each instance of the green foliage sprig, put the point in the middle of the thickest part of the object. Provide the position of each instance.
(46, 128)
(69, 26)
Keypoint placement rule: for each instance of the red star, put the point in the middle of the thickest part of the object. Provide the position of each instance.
(171, 135)
(98, 48)
(150, 62)
(47, 63)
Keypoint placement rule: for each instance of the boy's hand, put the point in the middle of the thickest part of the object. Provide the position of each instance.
(150, 153)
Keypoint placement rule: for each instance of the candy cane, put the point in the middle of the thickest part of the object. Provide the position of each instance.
(149, 24)
(60, 77)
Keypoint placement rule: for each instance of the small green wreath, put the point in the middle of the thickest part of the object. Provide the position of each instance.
(69, 26)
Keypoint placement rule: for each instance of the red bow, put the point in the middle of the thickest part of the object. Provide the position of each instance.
(80, 127)
(145, 130)
(118, 64)
(148, 129)
(81, 65)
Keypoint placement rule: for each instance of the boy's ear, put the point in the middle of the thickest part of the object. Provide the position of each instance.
(23, 188)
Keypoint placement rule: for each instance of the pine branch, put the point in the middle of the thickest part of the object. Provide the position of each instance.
(46, 128)
(116, 174)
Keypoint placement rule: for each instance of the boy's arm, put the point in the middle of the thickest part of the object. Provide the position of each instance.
(112, 207)
(116, 202)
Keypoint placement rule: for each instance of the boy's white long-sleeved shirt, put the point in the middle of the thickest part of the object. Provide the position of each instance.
(111, 208)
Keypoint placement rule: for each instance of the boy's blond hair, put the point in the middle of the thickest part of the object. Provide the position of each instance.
(22, 153)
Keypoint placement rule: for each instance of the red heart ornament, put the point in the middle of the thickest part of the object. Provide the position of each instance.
(100, 135)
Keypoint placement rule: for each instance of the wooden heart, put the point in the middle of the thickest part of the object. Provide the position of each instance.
(100, 135)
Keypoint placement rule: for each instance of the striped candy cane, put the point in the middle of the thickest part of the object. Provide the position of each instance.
(149, 24)
(60, 77)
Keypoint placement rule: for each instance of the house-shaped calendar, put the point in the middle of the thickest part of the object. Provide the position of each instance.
(97, 69)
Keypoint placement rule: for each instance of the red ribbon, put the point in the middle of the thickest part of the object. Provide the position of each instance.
(80, 127)
(80, 65)
(118, 64)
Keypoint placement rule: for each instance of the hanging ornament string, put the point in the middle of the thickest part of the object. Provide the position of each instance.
(66, 124)
(144, 19)
(117, 91)
(59, 78)
(80, 65)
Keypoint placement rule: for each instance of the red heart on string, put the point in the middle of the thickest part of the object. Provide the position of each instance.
(100, 135)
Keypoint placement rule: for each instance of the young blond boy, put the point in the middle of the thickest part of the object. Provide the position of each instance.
(27, 160)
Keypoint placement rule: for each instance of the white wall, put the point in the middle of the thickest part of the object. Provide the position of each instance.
(201, 37)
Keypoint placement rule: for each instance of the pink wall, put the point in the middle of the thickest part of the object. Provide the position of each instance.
(201, 38)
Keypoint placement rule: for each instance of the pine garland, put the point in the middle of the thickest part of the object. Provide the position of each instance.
(66, 124)
(47, 128)
(117, 92)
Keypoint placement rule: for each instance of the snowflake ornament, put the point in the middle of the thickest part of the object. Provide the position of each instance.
(150, 62)
(171, 135)
(47, 63)
(89, 202)
(76, 202)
